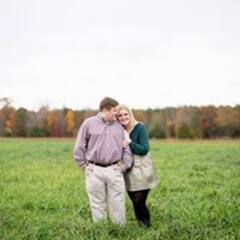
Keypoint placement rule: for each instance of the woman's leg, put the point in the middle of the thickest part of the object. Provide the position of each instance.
(139, 203)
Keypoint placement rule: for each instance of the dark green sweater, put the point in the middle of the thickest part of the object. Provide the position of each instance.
(139, 136)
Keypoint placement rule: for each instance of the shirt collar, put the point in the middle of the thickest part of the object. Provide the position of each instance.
(99, 116)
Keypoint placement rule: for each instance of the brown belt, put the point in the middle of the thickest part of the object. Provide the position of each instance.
(103, 165)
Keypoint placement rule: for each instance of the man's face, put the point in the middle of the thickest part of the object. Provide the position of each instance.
(110, 115)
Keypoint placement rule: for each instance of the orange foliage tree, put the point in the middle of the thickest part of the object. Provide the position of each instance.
(70, 122)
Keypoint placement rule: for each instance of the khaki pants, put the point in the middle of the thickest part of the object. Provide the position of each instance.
(106, 192)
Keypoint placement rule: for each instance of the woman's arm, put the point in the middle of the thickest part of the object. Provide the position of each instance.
(141, 145)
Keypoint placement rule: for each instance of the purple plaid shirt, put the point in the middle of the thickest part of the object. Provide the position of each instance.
(101, 142)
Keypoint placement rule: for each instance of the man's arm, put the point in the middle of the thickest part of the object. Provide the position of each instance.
(127, 158)
(81, 146)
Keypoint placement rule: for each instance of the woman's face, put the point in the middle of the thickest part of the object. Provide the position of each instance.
(123, 117)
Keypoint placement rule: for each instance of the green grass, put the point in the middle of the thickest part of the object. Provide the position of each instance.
(42, 193)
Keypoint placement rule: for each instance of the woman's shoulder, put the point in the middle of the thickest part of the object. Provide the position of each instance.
(139, 126)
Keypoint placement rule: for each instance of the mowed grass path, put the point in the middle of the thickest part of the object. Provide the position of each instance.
(42, 193)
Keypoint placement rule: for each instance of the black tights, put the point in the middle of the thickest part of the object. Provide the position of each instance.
(139, 203)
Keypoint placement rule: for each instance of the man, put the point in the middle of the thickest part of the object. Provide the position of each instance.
(100, 153)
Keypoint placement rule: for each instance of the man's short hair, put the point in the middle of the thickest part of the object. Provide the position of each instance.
(107, 103)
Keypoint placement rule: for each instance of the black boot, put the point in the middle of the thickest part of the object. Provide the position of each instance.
(145, 223)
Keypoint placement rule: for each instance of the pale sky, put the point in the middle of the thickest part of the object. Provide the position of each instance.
(143, 53)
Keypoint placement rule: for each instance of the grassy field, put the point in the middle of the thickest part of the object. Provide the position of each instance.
(42, 193)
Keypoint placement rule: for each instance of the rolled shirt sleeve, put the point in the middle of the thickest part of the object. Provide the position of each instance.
(80, 148)
(127, 159)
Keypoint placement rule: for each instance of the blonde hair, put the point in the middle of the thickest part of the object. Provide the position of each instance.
(133, 121)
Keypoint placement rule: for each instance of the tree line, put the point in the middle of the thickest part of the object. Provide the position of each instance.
(205, 122)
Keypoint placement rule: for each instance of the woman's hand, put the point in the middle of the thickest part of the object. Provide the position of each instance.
(126, 140)
(126, 136)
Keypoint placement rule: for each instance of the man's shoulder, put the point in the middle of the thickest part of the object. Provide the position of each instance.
(90, 120)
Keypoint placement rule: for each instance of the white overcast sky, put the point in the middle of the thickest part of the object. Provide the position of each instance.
(144, 53)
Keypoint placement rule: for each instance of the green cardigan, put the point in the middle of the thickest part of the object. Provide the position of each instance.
(139, 140)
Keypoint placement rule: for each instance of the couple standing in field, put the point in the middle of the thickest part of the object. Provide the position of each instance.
(113, 150)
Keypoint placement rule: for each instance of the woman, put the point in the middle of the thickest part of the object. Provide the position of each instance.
(140, 178)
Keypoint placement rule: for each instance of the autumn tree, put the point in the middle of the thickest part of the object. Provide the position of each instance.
(158, 125)
(7, 117)
(20, 128)
(228, 122)
(70, 122)
(54, 124)
(207, 121)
